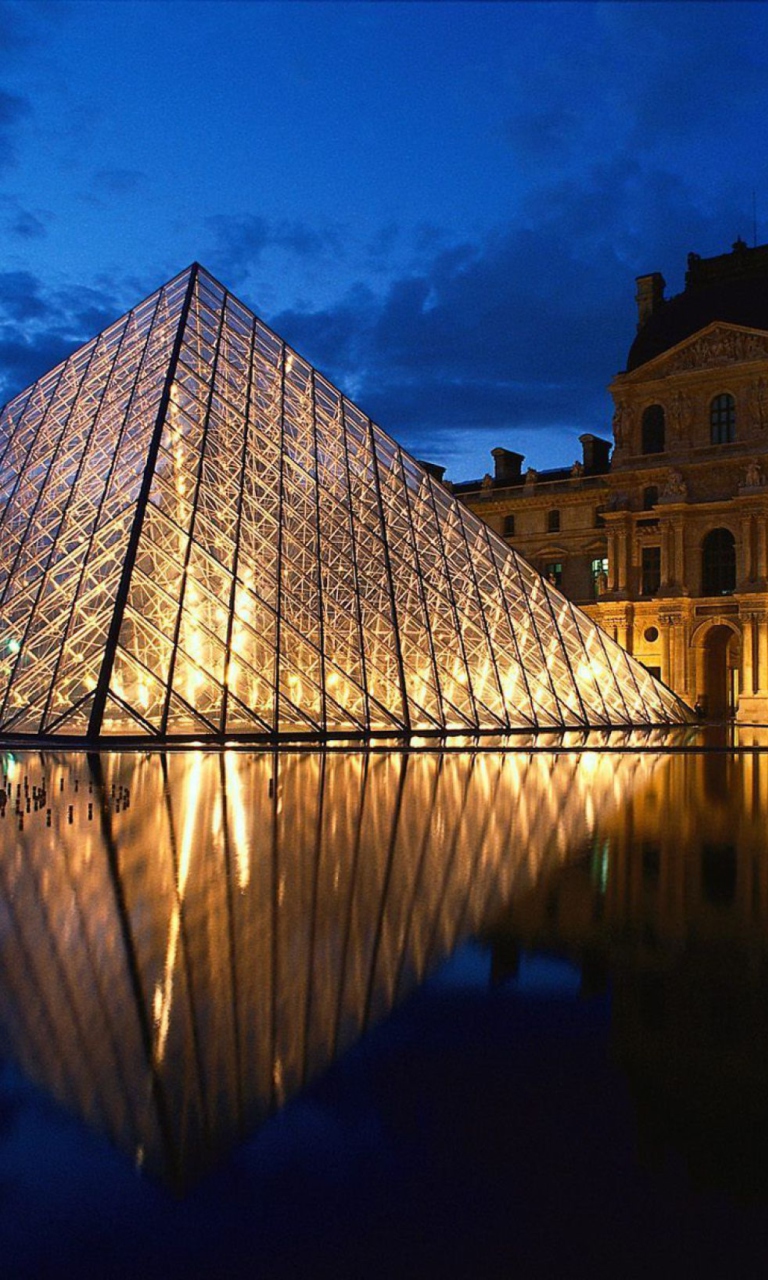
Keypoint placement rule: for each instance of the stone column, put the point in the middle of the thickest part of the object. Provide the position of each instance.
(747, 574)
(667, 572)
(682, 662)
(698, 671)
(672, 655)
(761, 664)
(621, 557)
(666, 621)
(748, 683)
(753, 700)
(613, 567)
(618, 625)
(622, 630)
(678, 556)
(761, 567)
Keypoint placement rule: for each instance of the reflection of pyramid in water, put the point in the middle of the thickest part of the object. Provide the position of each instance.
(200, 536)
(195, 937)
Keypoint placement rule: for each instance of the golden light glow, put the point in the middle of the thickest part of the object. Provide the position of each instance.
(355, 591)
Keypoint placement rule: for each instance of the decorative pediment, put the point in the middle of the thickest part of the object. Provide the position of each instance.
(717, 345)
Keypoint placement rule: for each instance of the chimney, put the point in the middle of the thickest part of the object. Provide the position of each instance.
(433, 470)
(507, 465)
(596, 453)
(649, 296)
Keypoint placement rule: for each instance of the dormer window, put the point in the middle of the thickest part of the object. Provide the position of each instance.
(553, 521)
(653, 429)
(722, 419)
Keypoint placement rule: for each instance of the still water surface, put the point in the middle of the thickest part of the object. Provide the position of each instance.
(573, 943)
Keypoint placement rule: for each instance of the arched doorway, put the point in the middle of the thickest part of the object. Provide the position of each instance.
(721, 661)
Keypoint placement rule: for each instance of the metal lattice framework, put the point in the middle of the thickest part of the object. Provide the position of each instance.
(201, 537)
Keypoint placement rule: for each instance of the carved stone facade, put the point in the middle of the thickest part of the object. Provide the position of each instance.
(667, 545)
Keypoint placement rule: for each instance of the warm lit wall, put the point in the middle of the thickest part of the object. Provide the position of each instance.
(701, 486)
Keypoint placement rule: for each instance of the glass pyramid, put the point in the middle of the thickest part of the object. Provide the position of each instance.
(202, 538)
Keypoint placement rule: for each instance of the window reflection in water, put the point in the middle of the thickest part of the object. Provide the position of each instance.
(187, 939)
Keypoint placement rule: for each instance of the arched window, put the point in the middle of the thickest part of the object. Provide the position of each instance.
(718, 563)
(553, 521)
(650, 496)
(653, 424)
(722, 419)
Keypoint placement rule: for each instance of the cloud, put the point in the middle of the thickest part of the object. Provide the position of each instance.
(20, 297)
(119, 182)
(13, 109)
(25, 224)
(520, 330)
(241, 240)
(543, 135)
(675, 97)
(14, 30)
(25, 359)
(639, 80)
(40, 327)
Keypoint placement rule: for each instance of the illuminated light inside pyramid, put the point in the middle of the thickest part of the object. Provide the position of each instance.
(201, 537)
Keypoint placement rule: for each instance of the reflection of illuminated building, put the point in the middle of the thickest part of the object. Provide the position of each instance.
(195, 936)
(200, 537)
(671, 901)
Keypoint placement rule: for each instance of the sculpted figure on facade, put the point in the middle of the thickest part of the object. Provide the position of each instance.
(621, 424)
(675, 487)
(753, 476)
(681, 413)
(721, 346)
(487, 481)
(758, 405)
(530, 476)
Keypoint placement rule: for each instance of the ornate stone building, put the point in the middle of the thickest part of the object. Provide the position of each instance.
(666, 542)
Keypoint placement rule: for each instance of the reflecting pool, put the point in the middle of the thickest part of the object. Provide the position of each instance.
(311, 993)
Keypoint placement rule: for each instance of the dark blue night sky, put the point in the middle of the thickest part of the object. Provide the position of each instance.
(443, 205)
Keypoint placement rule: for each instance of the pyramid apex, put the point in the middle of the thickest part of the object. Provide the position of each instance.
(201, 538)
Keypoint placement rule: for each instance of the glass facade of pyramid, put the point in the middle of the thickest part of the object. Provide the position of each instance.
(201, 538)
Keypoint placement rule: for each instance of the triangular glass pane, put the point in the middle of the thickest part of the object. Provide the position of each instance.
(200, 535)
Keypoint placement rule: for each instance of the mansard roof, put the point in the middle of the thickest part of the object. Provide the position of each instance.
(732, 288)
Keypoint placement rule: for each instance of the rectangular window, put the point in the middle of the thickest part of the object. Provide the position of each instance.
(651, 571)
(553, 573)
(653, 671)
(509, 526)
(599, 576)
